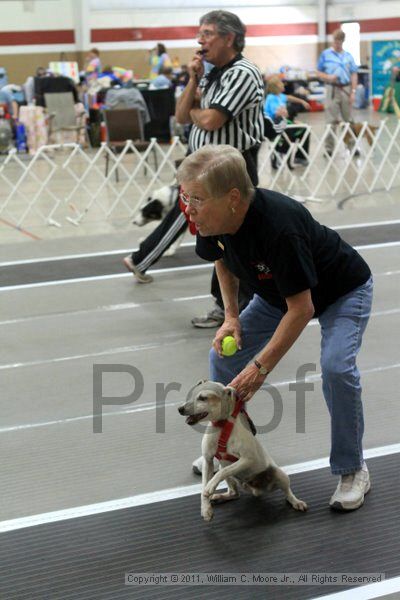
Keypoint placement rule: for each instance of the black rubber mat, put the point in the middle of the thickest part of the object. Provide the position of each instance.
(87, 558)
(107, 264)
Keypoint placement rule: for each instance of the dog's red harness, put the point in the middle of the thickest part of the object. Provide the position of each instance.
(225, 434)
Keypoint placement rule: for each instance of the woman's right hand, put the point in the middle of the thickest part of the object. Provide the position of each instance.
(231, 326)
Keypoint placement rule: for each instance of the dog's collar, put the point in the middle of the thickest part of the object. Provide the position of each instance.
(226, 426)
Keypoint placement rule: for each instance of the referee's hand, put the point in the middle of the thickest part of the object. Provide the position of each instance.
(196, 67)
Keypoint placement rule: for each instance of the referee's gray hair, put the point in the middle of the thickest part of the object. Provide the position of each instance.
(218, 169)
(226, 22)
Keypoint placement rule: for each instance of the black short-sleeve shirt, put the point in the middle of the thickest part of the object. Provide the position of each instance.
(281, 250)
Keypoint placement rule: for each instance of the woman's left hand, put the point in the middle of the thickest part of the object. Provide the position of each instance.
(247, 382)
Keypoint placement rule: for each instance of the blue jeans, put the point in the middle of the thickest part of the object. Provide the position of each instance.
(342, 326)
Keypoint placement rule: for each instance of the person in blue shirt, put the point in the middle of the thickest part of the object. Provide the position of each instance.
(7, 100)
(338, 70)
(276, 101)
(164, 79)
(276, 110)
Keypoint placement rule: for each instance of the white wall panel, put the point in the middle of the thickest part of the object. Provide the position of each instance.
(59, 14)
(127, 5)
(39, 15)
(174, 17)
(144, 18)
(364, 10)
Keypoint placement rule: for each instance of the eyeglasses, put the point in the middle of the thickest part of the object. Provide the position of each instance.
(207, 34)
(191, 200)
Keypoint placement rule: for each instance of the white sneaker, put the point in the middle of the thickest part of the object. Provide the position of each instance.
(351, 490)
(197, 465)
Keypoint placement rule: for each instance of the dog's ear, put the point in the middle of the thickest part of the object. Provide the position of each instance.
(201, 381)
(230, 391)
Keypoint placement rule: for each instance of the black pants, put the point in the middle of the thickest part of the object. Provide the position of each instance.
(174, 224)
(164, 235)
(245, 294)
(251, 158)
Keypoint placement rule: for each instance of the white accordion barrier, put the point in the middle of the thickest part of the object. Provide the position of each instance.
(66, 185)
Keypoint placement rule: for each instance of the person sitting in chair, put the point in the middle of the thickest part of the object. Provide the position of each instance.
(276, 102)
(277, 118)
(164, 79)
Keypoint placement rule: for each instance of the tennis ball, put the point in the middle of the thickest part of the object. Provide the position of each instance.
(229, 346)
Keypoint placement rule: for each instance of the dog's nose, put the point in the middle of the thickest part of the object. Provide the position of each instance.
(181, 410)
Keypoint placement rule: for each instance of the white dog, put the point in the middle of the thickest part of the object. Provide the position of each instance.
(157, 205)
(229, 436)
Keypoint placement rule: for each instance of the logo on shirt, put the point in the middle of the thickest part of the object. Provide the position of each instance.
(263, 272)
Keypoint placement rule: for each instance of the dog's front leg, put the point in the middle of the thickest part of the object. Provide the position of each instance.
(207, 472)
(232, 470)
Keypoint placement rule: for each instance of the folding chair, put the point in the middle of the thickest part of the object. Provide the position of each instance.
(123, 124)
(63, 117)
(291, 140)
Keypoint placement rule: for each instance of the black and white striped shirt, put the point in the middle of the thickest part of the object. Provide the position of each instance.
(238, 91)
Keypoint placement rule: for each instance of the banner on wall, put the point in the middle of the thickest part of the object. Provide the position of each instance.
(385, 55)
(68, 69)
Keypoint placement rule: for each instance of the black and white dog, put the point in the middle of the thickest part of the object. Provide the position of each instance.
(157, 205)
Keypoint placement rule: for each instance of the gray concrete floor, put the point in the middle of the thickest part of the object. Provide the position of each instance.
(53, 335)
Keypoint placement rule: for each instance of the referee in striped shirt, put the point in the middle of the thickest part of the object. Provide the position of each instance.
(226, 105)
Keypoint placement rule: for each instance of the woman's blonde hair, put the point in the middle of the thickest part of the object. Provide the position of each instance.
(274, 85)
(218, 169)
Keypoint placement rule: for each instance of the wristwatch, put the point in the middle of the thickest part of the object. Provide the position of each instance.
(262, 369)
